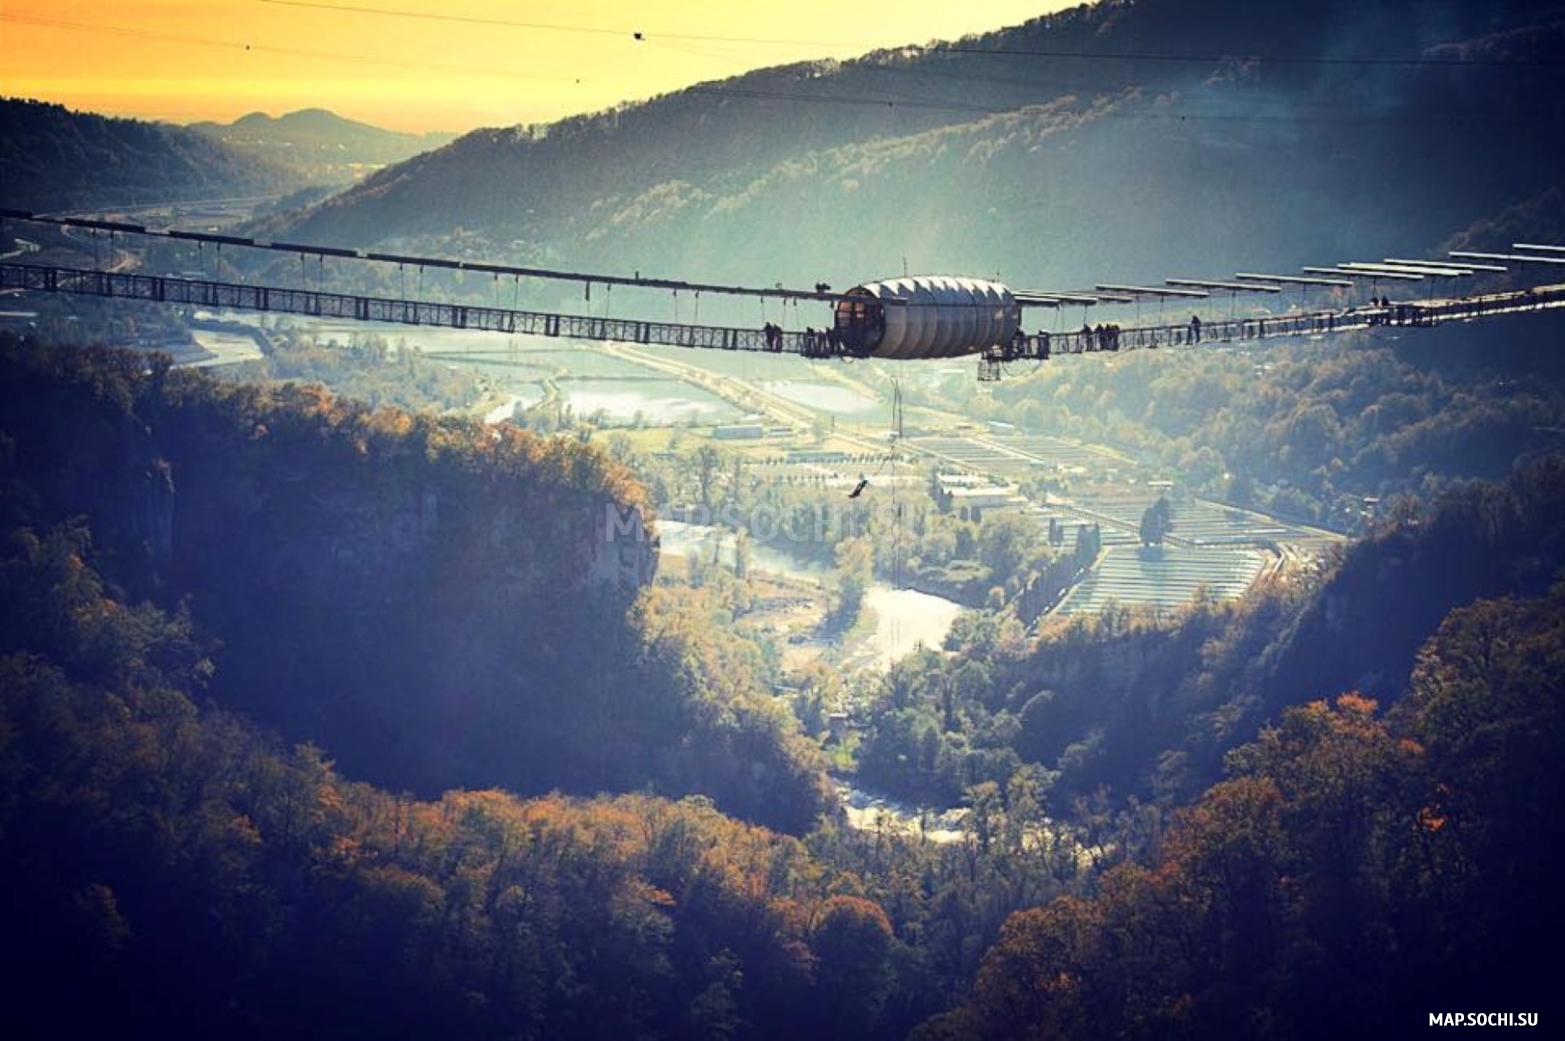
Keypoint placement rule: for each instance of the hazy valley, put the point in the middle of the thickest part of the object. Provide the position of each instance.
(371, 680)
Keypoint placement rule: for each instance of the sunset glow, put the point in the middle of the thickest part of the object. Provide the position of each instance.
(416, 65)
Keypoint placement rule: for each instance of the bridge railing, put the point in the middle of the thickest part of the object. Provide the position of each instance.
(318, 303)
(1108, 337)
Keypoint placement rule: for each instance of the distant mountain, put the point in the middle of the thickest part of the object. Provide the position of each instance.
(55, 159)
(1131, 138)
(320, 143)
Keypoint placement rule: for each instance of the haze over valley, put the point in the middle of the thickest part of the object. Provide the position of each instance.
(465, 584)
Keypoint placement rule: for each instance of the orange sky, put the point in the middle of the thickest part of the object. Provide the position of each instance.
(448, 65)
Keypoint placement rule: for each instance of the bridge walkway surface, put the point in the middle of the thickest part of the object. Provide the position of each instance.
(217, 295)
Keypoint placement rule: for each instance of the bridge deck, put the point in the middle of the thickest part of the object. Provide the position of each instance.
(316, 303)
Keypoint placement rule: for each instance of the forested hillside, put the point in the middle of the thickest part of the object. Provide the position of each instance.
(1358, 870)
(1132, 138)
(205, 881)
(433, 602)
(179, 549)
(55, 159)
(1137, 704)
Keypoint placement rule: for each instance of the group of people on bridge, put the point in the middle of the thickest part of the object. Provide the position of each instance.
(820, 344)
(1019, 347)
(774, 337)
(813, 343)
(1104, 338)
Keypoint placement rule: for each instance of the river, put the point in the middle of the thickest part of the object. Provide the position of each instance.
(905, 619)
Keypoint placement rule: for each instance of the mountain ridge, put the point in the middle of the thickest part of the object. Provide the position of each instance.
(1143, 138)
(320, 142)
(52, 158)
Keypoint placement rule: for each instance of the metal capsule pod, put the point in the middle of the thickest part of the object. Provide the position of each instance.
(928, 316)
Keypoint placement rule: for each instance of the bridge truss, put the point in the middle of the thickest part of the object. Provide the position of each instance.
(219, 295)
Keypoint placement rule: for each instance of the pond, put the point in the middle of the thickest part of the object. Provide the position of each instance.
(824, 397)
(655, 401)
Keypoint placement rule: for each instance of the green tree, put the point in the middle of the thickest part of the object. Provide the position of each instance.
(1005, 542)
(1157, 522)
(855, 568)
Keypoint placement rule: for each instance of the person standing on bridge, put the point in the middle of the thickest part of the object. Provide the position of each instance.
(1195, 328)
